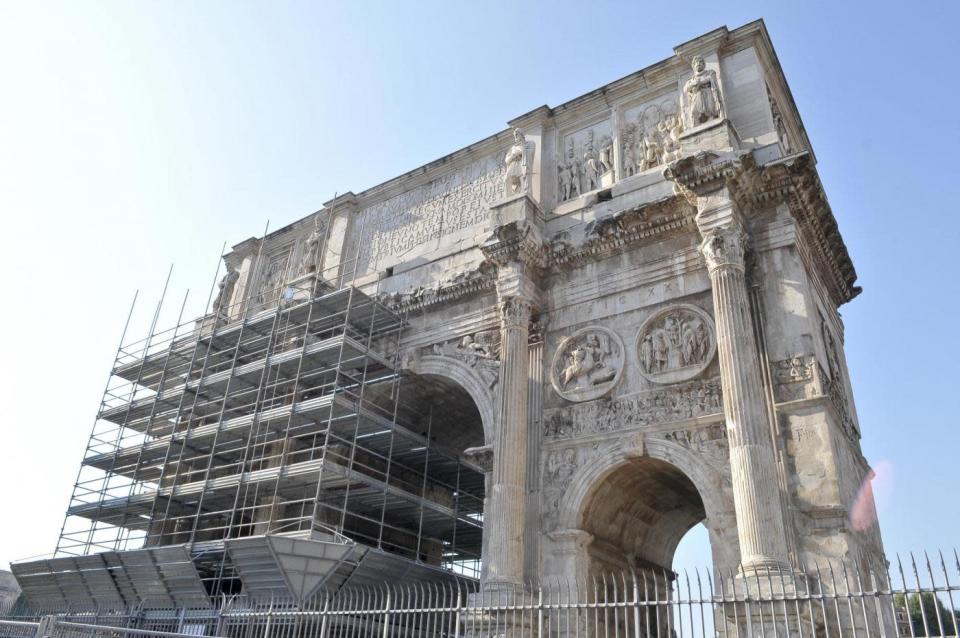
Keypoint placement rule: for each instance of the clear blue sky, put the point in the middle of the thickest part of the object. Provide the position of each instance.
(135, 135)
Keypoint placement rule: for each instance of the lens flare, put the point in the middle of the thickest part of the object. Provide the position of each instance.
(863, 513)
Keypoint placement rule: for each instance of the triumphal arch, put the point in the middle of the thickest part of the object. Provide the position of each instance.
(548, 354)
(656, 270)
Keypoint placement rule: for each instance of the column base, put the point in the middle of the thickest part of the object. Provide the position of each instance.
(765, 567)
(499, 610)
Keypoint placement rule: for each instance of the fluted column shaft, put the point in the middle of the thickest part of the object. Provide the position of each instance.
(752, 461)
(505, 520)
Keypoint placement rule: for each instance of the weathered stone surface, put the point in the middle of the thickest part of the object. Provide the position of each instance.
(640, 290)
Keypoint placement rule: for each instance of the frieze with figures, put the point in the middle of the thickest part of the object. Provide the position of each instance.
(688, 401)
(650, 135)
(272, 277)
(676, 344)
(585, 161)
(587, 364)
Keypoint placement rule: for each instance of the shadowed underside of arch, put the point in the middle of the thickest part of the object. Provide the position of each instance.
(638, 513)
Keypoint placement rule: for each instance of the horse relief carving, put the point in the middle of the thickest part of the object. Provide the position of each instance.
(676, 344)
(588, 364)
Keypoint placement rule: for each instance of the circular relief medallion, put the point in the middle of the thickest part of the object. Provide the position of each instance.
(676, 344)
(587, 364)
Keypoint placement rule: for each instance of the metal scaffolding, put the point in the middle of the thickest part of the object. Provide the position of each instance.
(263, 436)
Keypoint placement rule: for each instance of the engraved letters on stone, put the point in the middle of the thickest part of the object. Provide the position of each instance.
(676, 344)
(588, 364)
(451, 203)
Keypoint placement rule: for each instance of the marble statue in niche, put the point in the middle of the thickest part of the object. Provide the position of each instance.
(676, 344)
(650, 136)
(517, 162)
(702, 93)
(587, 162)
(226, 286)
(587, 364)
(310, 258)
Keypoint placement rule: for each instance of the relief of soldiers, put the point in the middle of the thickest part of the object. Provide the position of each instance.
(591, 166)
(678, 341)
(606, 154)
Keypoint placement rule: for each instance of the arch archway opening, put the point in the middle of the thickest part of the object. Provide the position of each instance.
(443, 526)
(638, 514)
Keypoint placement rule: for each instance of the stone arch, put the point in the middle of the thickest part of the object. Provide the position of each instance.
(465, 376)
(709, 483)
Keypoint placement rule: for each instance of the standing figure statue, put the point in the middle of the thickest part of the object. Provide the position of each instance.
(226, 285)
(576, 172)
(606, 154)
(703, 94)
(515, 179)
(630, 154)
(565, 178)
(311, 248)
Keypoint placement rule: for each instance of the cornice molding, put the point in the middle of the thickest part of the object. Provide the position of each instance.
(515, 241)
(795, 181)
(611, 234)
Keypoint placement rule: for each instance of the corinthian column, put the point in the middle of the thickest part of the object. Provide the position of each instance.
(752, 462)
(516, 248)
(505, 523)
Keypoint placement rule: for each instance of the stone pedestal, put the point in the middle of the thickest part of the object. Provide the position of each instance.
(716, 135)
(570, 550)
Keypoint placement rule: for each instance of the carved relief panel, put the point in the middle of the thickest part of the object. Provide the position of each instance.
(650, 135)
(480, 351)
(680, 402)
(587, 364)
(273, 276)
(585, 160)
(676, 344)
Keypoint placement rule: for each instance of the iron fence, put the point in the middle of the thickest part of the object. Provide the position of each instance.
(916, 598)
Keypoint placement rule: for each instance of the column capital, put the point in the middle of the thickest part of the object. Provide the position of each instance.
(571, 540)
(724, 247)
(481, 456)
(515, 311)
